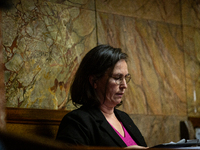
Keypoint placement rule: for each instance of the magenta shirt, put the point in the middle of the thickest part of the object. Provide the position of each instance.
(127, 138)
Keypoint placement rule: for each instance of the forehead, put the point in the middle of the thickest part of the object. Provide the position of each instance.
(120, 67)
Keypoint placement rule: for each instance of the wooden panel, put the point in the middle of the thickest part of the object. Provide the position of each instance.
(37, 122)
(34, 116)
(195, 121)
(47, 130)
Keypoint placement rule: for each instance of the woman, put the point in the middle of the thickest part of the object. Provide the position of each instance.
(98, 86)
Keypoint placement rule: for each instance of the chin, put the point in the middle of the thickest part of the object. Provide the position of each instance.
(118, 101)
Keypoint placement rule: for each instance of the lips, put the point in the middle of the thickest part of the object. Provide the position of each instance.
(120, 94)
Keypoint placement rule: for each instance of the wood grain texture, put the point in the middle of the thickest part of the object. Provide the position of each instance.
(37, 122)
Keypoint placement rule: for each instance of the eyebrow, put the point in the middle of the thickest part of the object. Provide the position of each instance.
(119, 74)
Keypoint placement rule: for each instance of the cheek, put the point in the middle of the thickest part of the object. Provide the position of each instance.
(111, 90)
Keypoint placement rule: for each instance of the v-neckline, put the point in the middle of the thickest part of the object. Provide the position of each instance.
(118, 131)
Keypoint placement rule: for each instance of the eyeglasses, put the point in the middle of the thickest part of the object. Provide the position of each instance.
(119, 79)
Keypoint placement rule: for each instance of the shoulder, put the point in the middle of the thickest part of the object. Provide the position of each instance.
(77, 127)
(77, 113)
(84, 115)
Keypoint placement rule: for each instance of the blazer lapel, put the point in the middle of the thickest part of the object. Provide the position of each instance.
(107, 127)
(99, 117)
(130, 126)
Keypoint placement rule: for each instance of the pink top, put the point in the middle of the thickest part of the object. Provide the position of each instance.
(127, 138)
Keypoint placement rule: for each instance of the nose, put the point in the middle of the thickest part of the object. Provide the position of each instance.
(123, 83)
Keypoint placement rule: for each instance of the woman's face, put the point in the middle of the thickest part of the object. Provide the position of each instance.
(108, 88)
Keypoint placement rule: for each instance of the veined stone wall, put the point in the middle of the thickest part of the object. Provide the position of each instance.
(2, 86)
(44, 43)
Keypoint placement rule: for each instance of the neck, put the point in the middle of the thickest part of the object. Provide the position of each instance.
(107, 111)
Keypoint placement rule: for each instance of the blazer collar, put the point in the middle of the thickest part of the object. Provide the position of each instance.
(99, 117)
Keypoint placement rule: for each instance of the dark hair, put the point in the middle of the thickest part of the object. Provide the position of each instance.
(95, 63)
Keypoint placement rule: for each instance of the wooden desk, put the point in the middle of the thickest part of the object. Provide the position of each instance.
(9, 141)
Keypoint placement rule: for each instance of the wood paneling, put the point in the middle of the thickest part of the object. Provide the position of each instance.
(38, 122)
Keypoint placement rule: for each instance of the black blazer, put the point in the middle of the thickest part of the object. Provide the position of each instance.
(88, 126)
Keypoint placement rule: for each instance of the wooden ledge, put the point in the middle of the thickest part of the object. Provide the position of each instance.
(34, 116)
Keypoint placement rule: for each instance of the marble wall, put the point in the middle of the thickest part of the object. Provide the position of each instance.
(2, 86)
(43, 44)
(45, 40)
(191, 36)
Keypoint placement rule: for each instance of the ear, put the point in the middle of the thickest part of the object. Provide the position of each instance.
(92, 82)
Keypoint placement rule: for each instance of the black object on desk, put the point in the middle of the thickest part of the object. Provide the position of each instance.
(181, 143)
